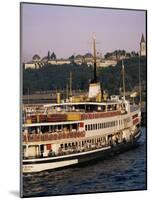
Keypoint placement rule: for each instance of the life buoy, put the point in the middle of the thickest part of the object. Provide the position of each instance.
(55, 136)
(63, 135)
(35, 138)
(71, 135)
(49, 136)
(59, 136)
(45, 137)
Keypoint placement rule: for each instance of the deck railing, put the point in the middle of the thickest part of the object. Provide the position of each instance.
(52, 136)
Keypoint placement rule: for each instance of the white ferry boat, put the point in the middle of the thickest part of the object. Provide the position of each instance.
(78, 130)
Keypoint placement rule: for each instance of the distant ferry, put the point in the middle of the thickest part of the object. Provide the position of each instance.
(78, 129)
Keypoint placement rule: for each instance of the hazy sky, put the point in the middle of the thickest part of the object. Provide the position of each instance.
(68, 30)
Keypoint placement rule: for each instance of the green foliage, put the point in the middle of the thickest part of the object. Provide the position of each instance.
(52, 77)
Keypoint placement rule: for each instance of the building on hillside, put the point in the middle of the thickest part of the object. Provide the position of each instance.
(88, 59)
(107, 63)
(142, 46)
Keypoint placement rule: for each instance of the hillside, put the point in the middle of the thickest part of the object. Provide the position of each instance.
(52, 77)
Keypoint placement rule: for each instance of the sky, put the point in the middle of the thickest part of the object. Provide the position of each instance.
(68, 30)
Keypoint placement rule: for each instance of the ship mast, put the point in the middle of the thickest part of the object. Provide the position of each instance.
(70, 93)
(94, 54)
(94, 86)
(140, 89)
(67, 91)
(123, 74)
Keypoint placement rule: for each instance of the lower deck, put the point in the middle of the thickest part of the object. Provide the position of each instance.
(78, 145)
(49, 163)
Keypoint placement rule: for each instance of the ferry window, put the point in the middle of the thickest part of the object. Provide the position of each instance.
(91, 127)
(86, 127)
(44, 129)
(61, 145)
(50, 128)
(59, 127)
(96, 126)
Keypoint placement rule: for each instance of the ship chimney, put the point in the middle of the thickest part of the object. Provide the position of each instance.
(94, 87)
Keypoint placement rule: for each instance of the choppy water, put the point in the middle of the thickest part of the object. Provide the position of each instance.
(126, 171)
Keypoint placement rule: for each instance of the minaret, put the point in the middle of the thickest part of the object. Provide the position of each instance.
(142, 46)
(48, 55)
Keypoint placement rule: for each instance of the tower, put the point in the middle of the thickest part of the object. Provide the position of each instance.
(48, 55)
(142, 46)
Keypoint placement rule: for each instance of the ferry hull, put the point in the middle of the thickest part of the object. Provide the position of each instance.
(37, 165)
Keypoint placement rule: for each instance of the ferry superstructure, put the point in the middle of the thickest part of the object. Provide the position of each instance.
(78, 130)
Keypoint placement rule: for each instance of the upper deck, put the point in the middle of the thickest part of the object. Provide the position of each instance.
(69, 111)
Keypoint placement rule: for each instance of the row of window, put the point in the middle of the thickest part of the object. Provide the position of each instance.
(82, 143)
(89, 127)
